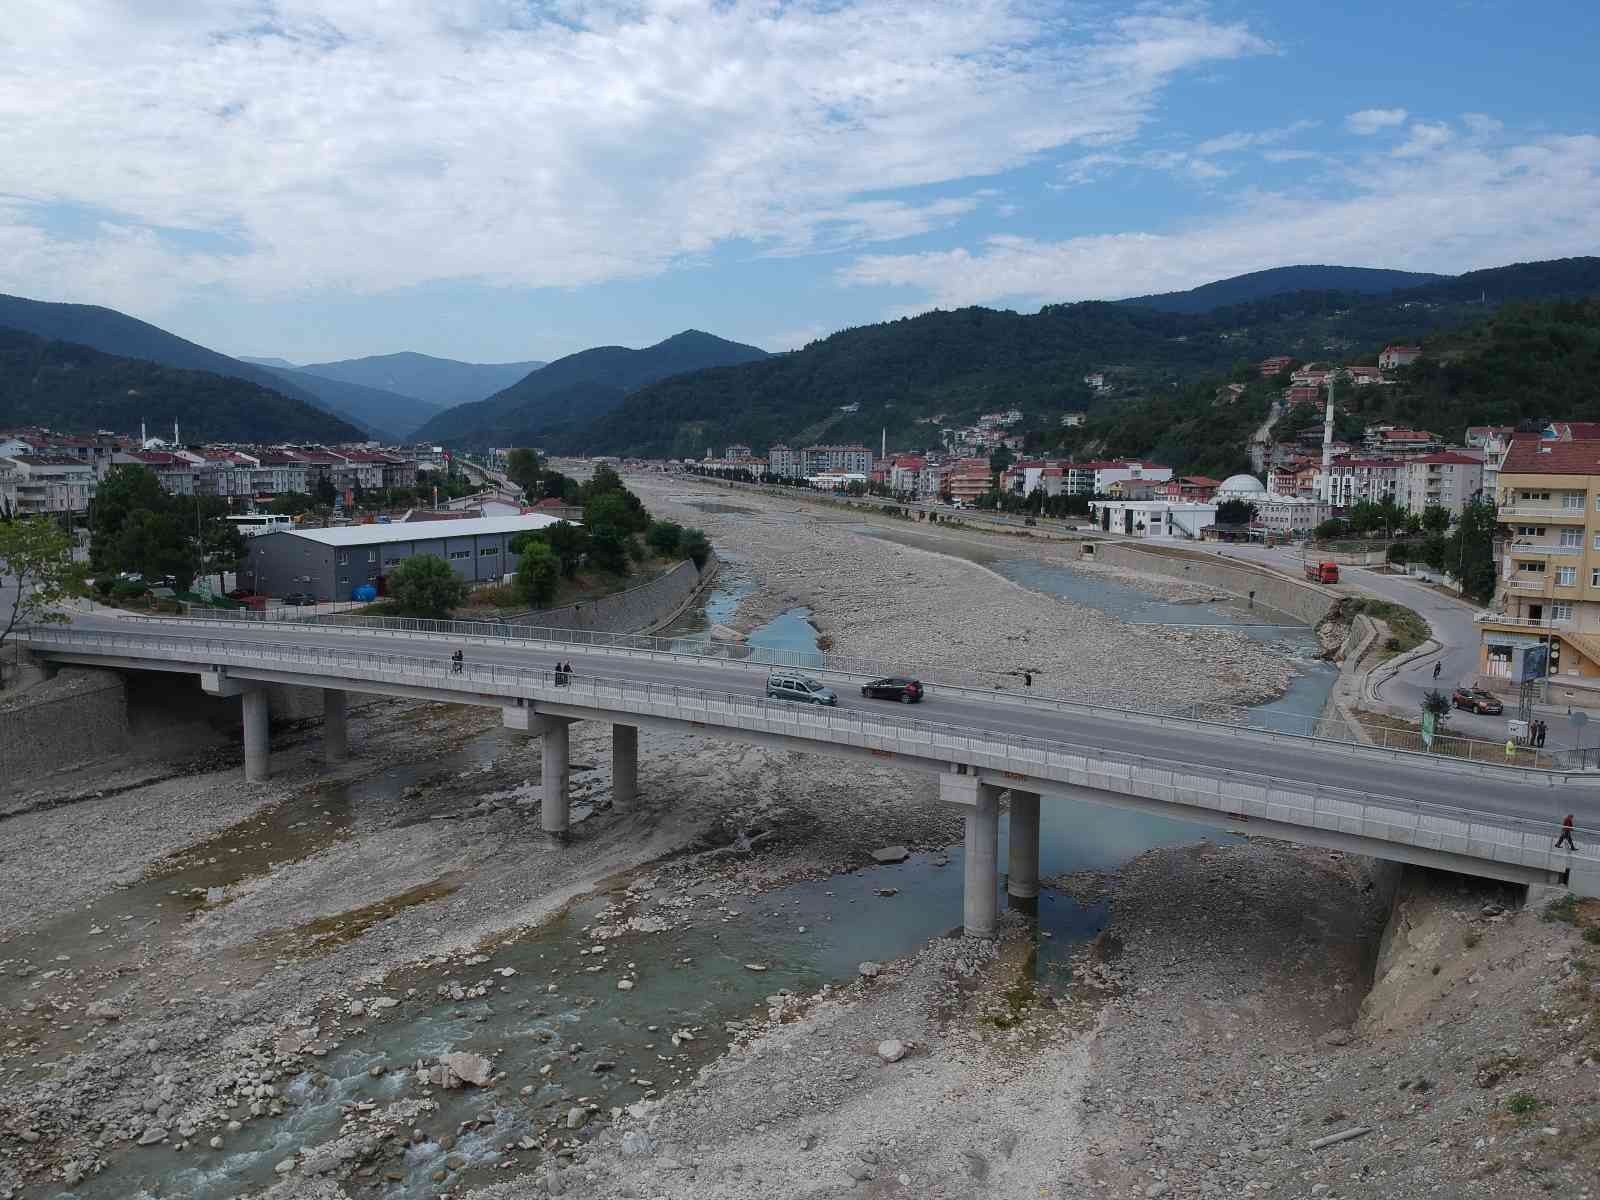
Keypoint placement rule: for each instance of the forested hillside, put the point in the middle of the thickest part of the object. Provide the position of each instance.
(962, 363)
(72, 388)
(565, 395)
(1261, 285)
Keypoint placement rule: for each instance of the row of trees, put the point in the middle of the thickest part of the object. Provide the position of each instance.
(137, 527)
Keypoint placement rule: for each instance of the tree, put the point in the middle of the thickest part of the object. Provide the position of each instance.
(696, 546)
(126, 490)
(1000, 460)
(1471, 551)
(326, 495)
(425, 586)
(1437, 703)
(1435, 518)
(664, 537)
(1235, 512)
(1330, 529)
(570, 542)
(156, 544)
(36, 554)
(523, 469)
(538, 574)
(608, 549)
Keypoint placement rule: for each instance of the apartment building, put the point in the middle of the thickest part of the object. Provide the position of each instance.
(968, 479)
(31, 484)
(1352, 480)
(783, 463)
(1549, 592)
(852, 460)
(1448, 480)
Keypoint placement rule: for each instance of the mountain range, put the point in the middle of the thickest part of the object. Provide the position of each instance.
(436, 383)
(72, 387)
(1260, 285)
(570, 393)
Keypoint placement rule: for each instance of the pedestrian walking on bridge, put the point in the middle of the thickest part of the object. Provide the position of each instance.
(1511, 749)
(1566, 834)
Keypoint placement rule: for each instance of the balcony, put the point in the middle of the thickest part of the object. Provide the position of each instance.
(1543, 548)
(1518, 511)
(1521, 622)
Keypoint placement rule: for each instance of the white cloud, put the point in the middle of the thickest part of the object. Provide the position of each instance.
(349, 146)
(1371, 120)
(1424, 139)
(1229, 143)
(1452, 208)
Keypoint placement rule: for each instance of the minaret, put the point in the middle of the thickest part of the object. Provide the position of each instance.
(1327, 447)
(143, 437)
(175, 442)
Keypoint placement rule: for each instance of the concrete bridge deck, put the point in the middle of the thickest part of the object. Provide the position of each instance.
(1493, 821)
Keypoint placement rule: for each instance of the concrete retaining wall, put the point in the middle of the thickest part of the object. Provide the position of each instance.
(637, 610)
(1298, 600)
(78, 717)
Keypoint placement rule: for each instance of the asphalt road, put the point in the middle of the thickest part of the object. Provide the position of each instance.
(1291, 760)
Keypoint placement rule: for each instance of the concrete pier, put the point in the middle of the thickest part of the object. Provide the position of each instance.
(1022, 874)
(257, 734)
(553, 760)
(335, 726)
(624, 766)
(981, 907)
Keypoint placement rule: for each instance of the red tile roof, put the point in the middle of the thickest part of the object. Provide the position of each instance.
(1531, 456)
(1447, 456)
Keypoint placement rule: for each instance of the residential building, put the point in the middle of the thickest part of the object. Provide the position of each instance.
(1398, 356)
(1153, 518)
(736, 451)
(1275, 365)
(1302, 393)
(1292, 515)
(1389, 439)
(1549, 591)
(1312, 375)
(1366, 376)
(278, 473)
(31, 484)
(1481, 437)
(1096, 380)
(1195, 488)
(930, 480)
(901, 477)
(783, 463)
(968, 479)
(1073, 419)
(177, 475)
(1354, 480)
(1133, 489)
(1448, 480)
(852, 460)
(331, 563)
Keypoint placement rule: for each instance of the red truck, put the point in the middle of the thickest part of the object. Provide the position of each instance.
(1322, 572)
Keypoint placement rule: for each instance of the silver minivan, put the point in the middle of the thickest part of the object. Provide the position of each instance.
(787, 685)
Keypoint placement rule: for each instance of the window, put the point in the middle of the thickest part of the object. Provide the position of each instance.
(1534, 498)
(1571, 500)
(489, 551)
(1566, 576)
(372, 556)
(1530, 530)
(460, 554)
(1531, 567)
(344, 579)
(344, 558)
(1572, 537)
(1561, 611)
(1594, 578)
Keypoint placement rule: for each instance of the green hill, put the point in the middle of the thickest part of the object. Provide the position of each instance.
(378, 414)
(74, 388)
(1260, 285)
(959, 364)
(566, 395)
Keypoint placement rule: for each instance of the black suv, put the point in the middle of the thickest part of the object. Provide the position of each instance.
(893, 687)
(300, 599)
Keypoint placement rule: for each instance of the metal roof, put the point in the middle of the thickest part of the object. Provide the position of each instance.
(420, 531)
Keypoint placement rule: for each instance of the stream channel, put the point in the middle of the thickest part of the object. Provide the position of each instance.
(546, 1004)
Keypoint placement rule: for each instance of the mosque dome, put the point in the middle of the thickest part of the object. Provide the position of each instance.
(1241, 486)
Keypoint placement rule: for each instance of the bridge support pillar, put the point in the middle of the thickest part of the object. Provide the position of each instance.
(624, 766)
(257, 734)
(335, 726)
(981, 906)
(553, 763)
(1022, 875)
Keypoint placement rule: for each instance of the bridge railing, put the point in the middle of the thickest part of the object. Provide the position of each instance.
(1240, 795)
(1483, 753)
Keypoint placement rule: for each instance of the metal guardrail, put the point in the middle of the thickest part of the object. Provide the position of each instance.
(1481, 835)
(1456, 749)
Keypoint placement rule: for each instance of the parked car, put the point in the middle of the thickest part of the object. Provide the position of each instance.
(786, 685)
(1477, 700)
(299, 599)
(893, 687)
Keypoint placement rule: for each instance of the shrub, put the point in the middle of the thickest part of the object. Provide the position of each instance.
(664, 537)
(695, 546)
(104, 586)
(1564, 908)
(1592, 935)
(1523, 1103)
(129, 589)
(538, 574)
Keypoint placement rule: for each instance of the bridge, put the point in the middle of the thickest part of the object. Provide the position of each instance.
(1475, 818)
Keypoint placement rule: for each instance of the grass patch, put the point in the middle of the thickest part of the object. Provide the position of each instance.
(1407, 626)
(1564, 908)
(1522, 1104)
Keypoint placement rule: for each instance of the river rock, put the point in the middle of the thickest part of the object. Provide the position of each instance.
(216, 1143)
(383, 1003)
(891, 854)
(637, 1142)
(100, 1010)
(576, 1117)
(1336, 1037)
(891, 1050)
(624, 985)
(468, 1068)
(286, 1166)
(152, 1135)
(869, 969)
(214, 895)
(356, 1009)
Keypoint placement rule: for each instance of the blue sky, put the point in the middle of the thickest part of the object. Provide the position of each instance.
(505, 179)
